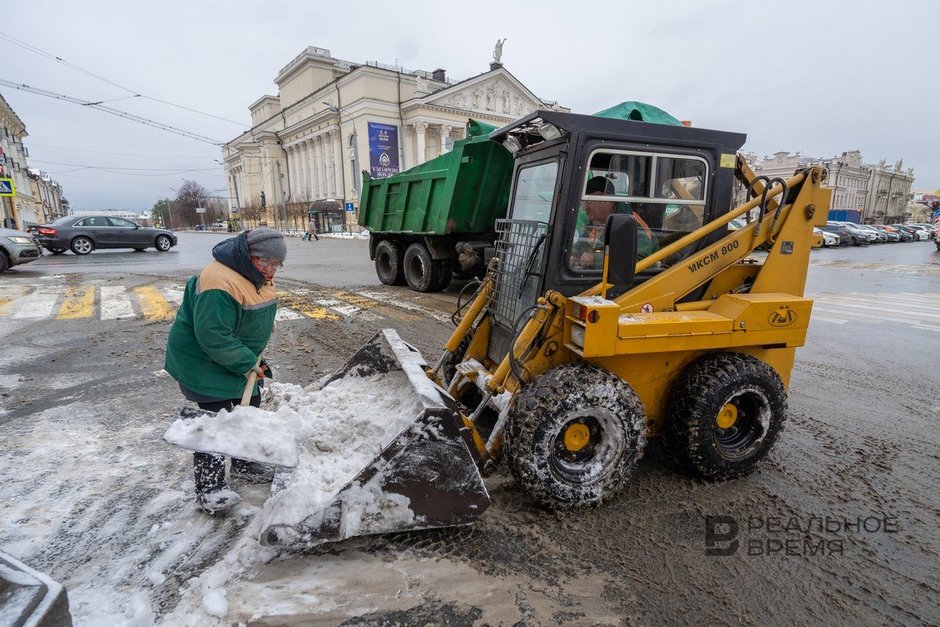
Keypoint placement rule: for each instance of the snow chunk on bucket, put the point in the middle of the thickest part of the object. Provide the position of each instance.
(245, 433)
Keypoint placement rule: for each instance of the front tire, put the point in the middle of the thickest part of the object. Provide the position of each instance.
(575, 435)
(82, 245)
(4, 262)
(56, 251)
(389, 263)
(163, 243)
(726, 413)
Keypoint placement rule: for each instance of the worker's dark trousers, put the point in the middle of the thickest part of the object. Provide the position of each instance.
(209, 468)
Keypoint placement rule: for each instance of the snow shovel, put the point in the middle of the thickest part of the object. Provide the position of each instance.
(424, 474)
(206, 432)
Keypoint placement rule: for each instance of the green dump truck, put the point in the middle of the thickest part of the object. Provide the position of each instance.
(436, 219)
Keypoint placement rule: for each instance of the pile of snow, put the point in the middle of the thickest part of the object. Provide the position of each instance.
(338, 430)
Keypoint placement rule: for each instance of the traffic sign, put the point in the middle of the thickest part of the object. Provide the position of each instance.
(350, 207)
(234, 209)
(200, 209)
(7, 188)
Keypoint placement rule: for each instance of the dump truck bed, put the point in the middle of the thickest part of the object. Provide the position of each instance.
(462, 191)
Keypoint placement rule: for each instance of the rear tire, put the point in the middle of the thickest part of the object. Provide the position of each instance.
(4, 262)
(421, 273)
(56, 251)
(726, 413)
(82, 245)
(163, 243)
(389, 263)
(575, 435)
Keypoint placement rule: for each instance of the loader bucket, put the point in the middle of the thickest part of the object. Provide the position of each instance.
(424, 476)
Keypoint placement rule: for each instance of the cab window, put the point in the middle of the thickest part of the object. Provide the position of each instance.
(665, 193)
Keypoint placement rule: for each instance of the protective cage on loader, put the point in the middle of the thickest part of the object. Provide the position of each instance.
(619, 307)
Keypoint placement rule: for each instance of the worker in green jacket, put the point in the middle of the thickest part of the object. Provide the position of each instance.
(221, 329)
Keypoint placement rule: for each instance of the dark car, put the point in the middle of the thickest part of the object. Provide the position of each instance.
(83, 234)
(17, 247)
(845, 237)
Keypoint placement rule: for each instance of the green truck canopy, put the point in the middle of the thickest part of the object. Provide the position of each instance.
(634, 110)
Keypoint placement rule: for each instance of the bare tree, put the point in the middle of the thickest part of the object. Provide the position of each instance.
(189, 196)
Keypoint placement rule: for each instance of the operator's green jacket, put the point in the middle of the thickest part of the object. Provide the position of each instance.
(223, 324)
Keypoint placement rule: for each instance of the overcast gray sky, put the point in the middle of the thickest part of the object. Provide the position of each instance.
(817, 77)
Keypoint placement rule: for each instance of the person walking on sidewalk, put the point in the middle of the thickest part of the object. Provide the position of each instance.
(222, 327)
(311, 231)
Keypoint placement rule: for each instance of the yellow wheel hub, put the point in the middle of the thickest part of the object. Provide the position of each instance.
(727, 416)
(577, 437)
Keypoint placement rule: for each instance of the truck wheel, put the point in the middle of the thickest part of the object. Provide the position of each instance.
(726, 413)
(575, 435)
(389, 263)
(421, 272)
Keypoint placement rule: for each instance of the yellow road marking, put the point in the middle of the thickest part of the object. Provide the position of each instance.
(355, 299)
(311, 311)
(153, 304)
(9, 294)
(79, 303)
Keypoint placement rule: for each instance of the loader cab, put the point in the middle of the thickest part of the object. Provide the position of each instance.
(572, 171)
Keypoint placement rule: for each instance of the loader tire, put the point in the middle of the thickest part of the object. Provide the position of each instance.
(726, 412)
(575, 435)
(421, 273)
(389, 263)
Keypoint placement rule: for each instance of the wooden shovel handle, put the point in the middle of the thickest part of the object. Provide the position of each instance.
(252, 377)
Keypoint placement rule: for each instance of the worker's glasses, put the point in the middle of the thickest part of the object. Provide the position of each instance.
(269, 264)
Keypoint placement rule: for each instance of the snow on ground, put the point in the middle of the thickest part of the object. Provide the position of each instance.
(107, 509)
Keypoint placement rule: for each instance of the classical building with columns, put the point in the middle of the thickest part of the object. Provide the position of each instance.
(878, 193)
(333, 119)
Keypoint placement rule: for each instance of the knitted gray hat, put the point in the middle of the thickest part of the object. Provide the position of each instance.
(267, 243)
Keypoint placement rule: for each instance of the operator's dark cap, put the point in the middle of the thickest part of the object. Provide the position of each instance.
(600, 184)
(266, 243)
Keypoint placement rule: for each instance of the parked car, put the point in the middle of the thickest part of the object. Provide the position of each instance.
(845, 238)
(17, 247)
(891, 234)
(879, 236)
(860, 237)
(913, 231)
(824, 238)
(83, 234)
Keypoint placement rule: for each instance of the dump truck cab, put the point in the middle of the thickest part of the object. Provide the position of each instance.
(672, 179)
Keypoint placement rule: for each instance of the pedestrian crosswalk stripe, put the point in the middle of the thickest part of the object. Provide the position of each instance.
(920, 311)
(38, 304)
(115, 303)
(152, 303)
(79, 303)
(315, 312)
(118, 302)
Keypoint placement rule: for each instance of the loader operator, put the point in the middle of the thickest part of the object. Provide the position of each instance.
(221, 328)
(587, 251)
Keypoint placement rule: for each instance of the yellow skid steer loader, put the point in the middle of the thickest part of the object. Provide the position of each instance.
(618, 306)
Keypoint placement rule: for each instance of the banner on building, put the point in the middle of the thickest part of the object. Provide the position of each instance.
(383, 150)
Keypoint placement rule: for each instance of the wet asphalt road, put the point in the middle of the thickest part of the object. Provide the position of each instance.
(838, 526)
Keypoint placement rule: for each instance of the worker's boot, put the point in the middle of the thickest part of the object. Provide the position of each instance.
(212, 495)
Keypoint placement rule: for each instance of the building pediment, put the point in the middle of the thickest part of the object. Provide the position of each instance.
(494, 93)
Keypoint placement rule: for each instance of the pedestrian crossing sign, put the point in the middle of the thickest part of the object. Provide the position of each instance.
(7, 188)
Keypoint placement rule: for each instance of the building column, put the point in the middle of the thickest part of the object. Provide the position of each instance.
(291, 152)
(338, 181)
(445, 135)
(329, 166)
(420, 128)
(310, 173)
(320, 166)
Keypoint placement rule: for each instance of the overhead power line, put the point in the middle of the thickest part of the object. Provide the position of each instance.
(122, 154)
(134, 93)
(112, 111)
